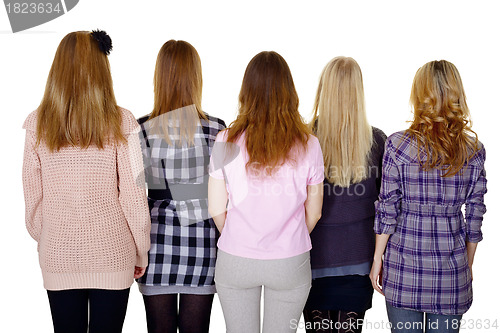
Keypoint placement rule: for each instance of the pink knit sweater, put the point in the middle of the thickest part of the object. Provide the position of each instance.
(87, 209)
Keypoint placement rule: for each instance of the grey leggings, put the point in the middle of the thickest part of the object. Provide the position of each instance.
(239, 284)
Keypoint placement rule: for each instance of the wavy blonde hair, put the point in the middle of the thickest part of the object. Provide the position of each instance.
(268, 114)
(177, 87)
(340, 122)
(79, 106)
(441, 125)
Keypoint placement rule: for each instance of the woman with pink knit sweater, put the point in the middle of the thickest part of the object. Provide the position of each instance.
(85, 205)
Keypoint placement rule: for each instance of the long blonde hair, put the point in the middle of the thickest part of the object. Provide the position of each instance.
(441, 125)
(177, 90)
(340, 122)
(268, 114)
(79, 106)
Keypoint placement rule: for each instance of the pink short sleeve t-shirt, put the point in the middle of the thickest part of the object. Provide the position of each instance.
(266, 214)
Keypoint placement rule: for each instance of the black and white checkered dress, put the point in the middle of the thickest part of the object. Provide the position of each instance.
(183, 236)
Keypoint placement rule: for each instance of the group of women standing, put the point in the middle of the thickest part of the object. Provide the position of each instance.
(270, 203)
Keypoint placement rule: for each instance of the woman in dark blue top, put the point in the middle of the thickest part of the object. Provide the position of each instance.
(343, 240)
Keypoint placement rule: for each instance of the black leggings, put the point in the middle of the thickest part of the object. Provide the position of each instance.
(193, 315)
(70, 310)
(330, 321)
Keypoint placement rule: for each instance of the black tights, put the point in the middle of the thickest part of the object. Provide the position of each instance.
(193, 315)
(70, 310)
(330, 321)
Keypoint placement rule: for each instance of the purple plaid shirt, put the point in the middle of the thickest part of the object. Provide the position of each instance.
(425, 264)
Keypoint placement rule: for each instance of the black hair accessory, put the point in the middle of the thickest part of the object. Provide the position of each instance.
(103, 40)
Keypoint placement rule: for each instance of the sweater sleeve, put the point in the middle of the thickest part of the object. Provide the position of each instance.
(32, 186)
(132, 194)
(474, 203)
(387, 206)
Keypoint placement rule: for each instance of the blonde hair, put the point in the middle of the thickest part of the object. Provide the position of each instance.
(269, 115)
(79, 106)
(340, 122)
(177, 87)
(440, 125)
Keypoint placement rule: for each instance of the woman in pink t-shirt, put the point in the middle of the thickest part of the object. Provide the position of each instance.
(265, 195)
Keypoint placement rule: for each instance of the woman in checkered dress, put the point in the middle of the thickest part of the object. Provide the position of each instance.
(176, 140)
(429, 172)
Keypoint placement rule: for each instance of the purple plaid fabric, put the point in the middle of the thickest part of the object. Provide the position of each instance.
(425, 263)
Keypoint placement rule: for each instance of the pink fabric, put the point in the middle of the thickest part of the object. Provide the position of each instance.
(87, 210)
(266, 215)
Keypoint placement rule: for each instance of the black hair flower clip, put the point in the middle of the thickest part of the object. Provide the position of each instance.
(103, 40)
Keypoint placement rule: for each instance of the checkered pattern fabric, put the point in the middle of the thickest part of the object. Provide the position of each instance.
(183, 236)
(425, 263)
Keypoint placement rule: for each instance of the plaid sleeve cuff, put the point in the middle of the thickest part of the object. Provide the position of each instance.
(384, 228)
(474, 236)
(385, 218)
(383, 224)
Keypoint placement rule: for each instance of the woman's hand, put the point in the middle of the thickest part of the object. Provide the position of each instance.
(139, 272)
(376, 272)
(376, 275)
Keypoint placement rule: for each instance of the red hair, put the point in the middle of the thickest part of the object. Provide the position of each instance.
(268, 113)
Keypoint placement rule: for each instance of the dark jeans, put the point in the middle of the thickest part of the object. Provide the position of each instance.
(409, 321)
(70, 310)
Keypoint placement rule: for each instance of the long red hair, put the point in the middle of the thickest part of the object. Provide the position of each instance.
(268, 114)
(441, 122)
(79, 106)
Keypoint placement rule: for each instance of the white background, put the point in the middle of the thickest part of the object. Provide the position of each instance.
(389, 39)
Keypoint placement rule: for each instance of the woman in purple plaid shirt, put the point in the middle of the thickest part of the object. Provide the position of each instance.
(429, 172)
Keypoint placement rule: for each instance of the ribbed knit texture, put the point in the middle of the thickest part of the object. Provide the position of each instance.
(87, 209)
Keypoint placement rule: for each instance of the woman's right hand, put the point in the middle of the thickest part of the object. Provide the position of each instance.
(139, 272)
(376, 275)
